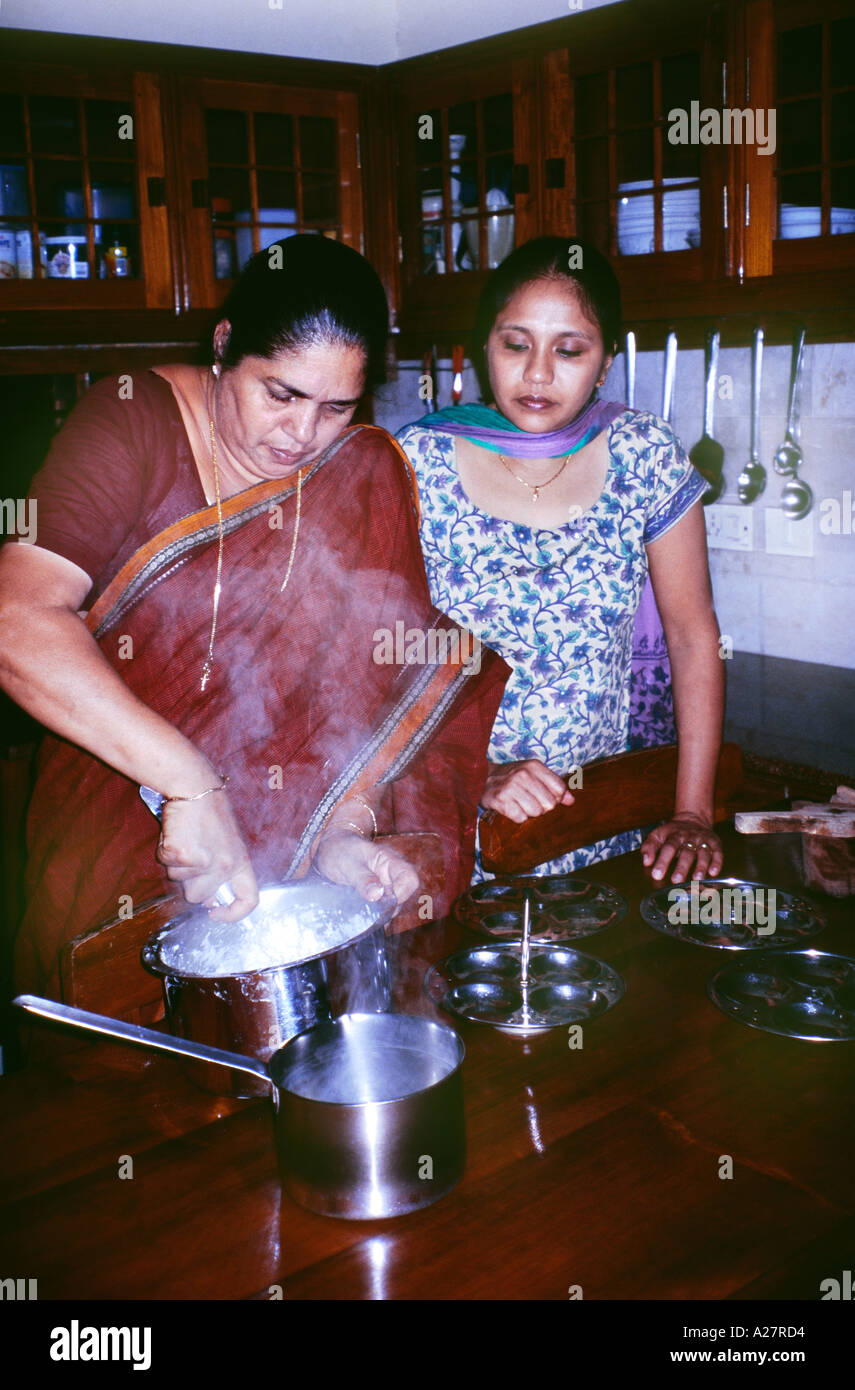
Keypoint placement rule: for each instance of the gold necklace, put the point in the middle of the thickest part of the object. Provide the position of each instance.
(538, 488)
(208, 663)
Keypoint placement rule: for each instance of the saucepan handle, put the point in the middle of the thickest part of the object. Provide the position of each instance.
(141, 1037)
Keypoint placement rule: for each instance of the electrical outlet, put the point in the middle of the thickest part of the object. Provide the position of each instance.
(785, 537)
(729, 527)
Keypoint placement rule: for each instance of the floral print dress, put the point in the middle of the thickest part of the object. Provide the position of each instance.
(558, 605)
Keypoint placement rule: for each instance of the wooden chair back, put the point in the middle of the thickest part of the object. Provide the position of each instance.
(617, 794)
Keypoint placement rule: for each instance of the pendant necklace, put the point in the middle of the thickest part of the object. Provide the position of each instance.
(208, 663)
(536, 489)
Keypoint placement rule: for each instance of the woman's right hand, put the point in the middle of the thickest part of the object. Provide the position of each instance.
(524, 789)
(201, 848)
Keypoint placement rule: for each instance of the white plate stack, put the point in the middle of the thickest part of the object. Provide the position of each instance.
(797, 221)
(681, 217)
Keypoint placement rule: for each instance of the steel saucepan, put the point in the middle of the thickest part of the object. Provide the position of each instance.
(310, 951)
(368, 1107)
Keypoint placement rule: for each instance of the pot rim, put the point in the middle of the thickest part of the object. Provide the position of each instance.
(150, 953)
(282, 1089)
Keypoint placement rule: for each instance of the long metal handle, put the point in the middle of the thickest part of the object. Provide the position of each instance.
(630, 369)
(711, 379)
(141, 1037)
(756, 374)
(795, 374)
(670, 373)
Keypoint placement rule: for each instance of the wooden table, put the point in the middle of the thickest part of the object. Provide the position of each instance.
(596, 1168)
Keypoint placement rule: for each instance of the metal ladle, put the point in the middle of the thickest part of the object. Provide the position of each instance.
(796, 499)
(630, 370)
(752, 479)
(796, 496)
(788, 456)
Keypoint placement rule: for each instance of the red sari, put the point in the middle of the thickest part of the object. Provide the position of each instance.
(298, 711)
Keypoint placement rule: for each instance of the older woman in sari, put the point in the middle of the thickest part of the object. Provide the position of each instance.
(217, 549)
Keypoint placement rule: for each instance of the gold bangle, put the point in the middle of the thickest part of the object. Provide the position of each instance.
(346, 825)
(199, 795)
(356, 797)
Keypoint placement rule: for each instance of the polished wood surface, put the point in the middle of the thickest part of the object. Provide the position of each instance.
(597, 1167)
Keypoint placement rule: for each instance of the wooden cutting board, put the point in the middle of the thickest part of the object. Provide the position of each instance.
(828, 838)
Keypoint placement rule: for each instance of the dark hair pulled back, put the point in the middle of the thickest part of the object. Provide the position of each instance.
(565, 259)
(305, 290)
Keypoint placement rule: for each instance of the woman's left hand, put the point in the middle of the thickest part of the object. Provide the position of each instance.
(345, 857)
(689, 843)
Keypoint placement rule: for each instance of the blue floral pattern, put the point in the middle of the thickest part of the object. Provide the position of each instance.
(558, 605)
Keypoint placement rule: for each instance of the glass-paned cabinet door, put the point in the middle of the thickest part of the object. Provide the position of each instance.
(638, 162)
(463, 213)
(76, 185)
(268, 163)
(814, 194)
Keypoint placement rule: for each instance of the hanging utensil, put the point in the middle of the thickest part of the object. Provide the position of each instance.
(752, 479)
(796, 496)
(796, 499)
(668, 379)
(457, 379)
(788, 456)
(708, 455)
(630, 370)
(429, 371)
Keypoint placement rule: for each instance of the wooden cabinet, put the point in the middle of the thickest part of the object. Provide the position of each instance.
(83, 222)
(137, 179)
(262, 162)
(707, 148)
(466, 151)
(157, 170)
(799, 206)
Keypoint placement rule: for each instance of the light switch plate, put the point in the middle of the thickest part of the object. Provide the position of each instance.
(729, 527)
(785, 537)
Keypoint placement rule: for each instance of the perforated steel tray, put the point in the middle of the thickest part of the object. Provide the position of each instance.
(483, 984)
(796, 994)
(563, 907)
(732, 914)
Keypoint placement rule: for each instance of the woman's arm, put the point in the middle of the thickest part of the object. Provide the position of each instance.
(679, 573)
(53, 668)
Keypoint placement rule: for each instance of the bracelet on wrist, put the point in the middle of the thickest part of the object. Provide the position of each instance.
(198, 797)
(369, 809)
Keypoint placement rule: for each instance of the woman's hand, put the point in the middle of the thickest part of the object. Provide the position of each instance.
(343, 856)
(686, 840)
(524, 789)
(201, 848)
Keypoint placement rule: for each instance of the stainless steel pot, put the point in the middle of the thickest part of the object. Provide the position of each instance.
(368, 1107)
(254, 1012)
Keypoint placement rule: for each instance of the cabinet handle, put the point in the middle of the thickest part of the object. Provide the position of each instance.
(555, 173)
(724, 217)
(724, 83)
(519, 180)
(747, 80)
(157, 193)
(748, 204)
(199, 193)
